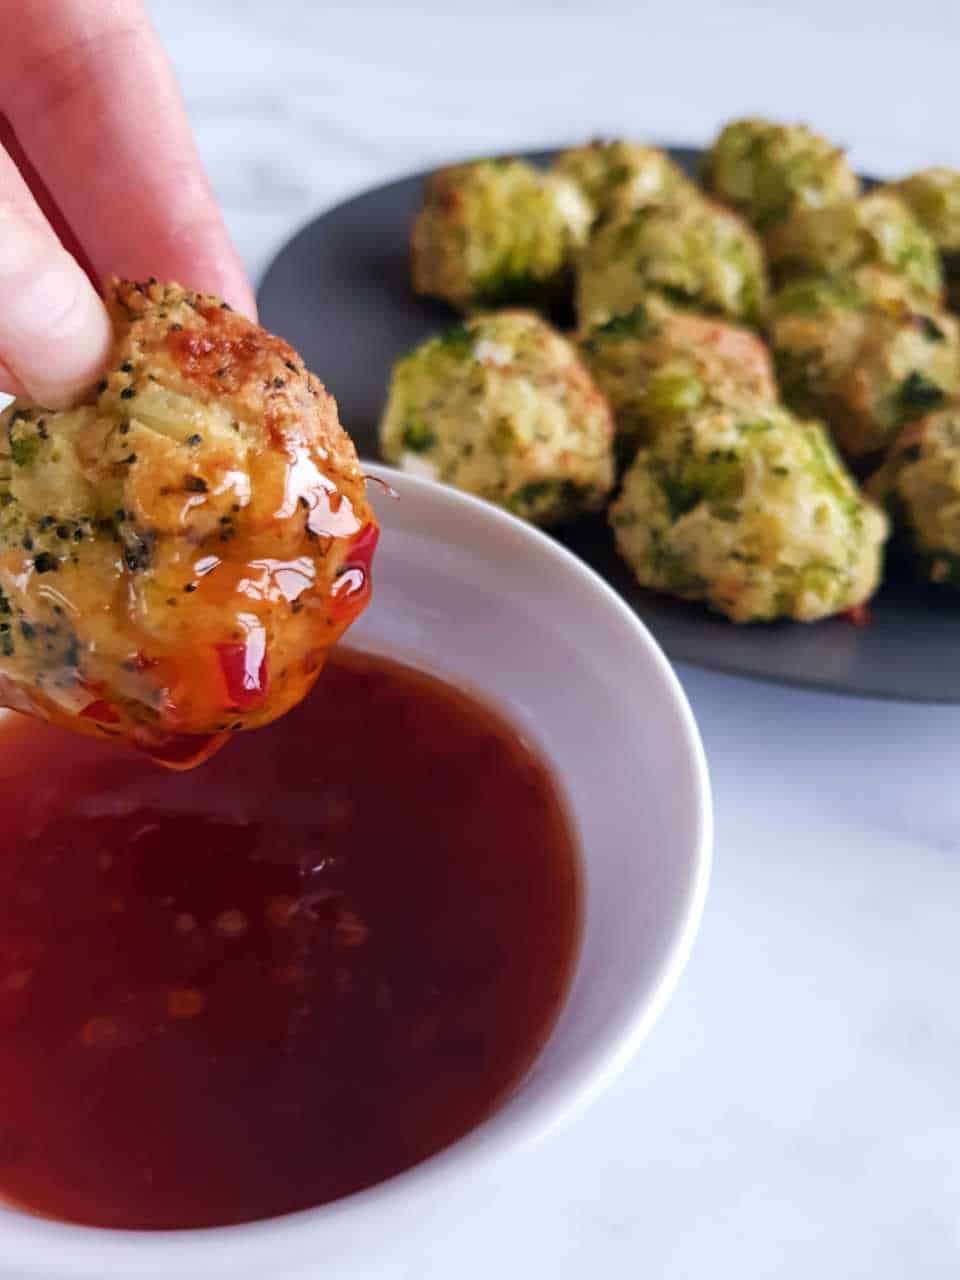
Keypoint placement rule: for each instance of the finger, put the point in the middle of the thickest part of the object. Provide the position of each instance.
(129, 181)
(14, 191)
(10, 385)
(20, 180)
(36, 361)
(55, 335)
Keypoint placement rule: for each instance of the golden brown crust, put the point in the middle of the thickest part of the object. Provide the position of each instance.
(731, 343)
(209, 351)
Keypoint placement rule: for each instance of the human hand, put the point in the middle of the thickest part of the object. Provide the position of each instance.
(97, 166)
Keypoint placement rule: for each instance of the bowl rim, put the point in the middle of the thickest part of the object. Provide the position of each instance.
(45, 1247)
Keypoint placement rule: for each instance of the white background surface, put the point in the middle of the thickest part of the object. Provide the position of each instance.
(797, 1112)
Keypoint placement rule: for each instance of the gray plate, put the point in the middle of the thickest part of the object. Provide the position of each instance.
(340, 293)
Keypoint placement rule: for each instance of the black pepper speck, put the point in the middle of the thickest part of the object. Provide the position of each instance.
(46, 563)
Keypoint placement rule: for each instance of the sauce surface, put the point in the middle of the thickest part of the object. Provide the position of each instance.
(280, 978)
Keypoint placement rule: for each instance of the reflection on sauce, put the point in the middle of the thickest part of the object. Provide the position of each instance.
(330, 513)
(258, 987)
(275, 580)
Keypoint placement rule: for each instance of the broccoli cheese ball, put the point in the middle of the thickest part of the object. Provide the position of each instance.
(497, 231)
(867, 361)
(619, 176)
(503, 408)
(876, 231)
(767, 171)
(933, 196)
(693, 253)
(178, 552)
(920, 485)
(753, 514)
(658, 365)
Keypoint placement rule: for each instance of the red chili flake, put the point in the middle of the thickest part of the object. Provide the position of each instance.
(245, 673)
(364, 545)
(859, 615)
(354, 577)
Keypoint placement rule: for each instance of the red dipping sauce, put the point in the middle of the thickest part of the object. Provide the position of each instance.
(291, 973)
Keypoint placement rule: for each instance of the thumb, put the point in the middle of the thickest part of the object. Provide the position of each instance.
(55, 335)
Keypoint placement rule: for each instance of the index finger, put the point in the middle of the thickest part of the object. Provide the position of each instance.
(92, 98)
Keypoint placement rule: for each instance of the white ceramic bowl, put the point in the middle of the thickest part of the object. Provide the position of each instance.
(472, 594)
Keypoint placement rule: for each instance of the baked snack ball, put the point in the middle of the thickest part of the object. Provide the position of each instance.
(504, 408)
(766, 170)
(618, 176)
(179, 551)
(659, 365)
(752, 513)
(691, 252)
(495, 232)
(878, 232)
(919, 483)
(864, 354)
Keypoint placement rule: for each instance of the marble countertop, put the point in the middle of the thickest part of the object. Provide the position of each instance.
(796, 1111)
